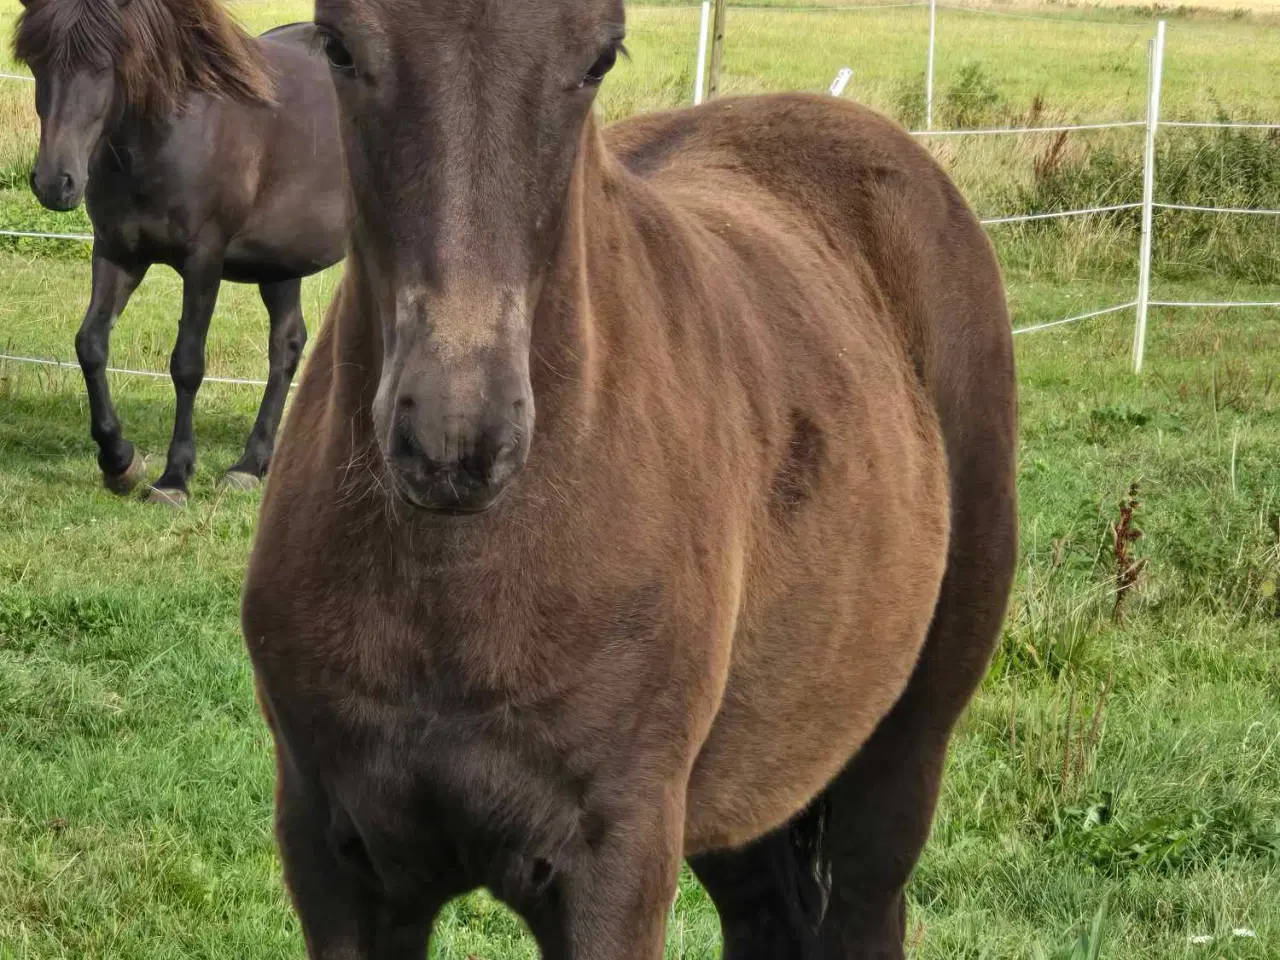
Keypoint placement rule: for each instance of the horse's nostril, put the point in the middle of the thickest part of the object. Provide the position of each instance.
(403, 443)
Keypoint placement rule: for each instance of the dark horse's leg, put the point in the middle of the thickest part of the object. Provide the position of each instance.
(113, 285)
(201, 277)
(288, 336)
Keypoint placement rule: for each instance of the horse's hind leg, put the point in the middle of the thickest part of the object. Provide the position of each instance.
(768, 894)
(113, 285)
(879, 809)
(288, 336)
(201, 277)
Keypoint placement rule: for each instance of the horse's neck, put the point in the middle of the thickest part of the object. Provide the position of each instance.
(568, 342)
(126, 144)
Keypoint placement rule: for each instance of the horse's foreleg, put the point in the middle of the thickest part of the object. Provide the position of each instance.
(288, 336)
(612, 904)
(334, 889)
(201, 277)
(113, 285)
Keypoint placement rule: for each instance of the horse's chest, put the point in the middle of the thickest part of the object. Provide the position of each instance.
(363, 615)
(140, 220)
(461, 700)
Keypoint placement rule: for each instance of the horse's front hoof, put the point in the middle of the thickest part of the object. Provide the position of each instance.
(167, 497)
(123, 484)
(239, 481)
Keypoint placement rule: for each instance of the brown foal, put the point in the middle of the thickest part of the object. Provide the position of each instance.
(649, 495)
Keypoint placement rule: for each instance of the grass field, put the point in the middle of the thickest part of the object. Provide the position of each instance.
(1131, 763)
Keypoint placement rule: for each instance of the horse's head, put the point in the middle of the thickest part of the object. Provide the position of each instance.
(70, 48)
(462, 122)
(94, 59)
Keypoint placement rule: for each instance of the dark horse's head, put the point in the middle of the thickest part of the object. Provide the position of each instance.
(463, 121)
(93, 60)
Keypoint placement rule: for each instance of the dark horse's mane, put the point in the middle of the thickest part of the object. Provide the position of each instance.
(160, 50)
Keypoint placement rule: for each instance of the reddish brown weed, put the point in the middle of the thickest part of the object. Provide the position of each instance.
(1124, 535)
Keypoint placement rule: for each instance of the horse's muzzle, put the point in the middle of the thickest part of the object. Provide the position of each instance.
(60, 192)
(460, 472)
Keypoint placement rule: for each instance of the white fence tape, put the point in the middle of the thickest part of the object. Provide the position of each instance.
(1002, 131)
(700, 72)
(957, 8)
(1195, 209)
(834, 8)
(46, 236)
(1219, 305)
(1076, 319)
(1025, 217)
(65, 365)
(1220, 126)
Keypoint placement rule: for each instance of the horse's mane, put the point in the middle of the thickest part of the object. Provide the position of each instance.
(160, 50)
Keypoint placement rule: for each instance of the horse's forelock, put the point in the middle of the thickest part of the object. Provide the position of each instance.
(70, 35)
(161, 50)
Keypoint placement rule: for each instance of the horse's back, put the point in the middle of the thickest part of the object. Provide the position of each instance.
(297, 216)
(877, 198)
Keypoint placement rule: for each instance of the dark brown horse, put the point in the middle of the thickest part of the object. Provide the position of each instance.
(197, 146)
(649, 494)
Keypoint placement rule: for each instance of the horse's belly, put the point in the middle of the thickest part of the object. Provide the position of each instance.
(825, 646)
(778, 742)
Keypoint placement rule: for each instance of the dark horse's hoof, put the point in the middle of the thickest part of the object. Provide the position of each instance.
(123, 484)
(167, 497)
(240, 481)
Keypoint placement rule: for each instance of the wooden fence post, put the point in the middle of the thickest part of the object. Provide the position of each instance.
(717, 50)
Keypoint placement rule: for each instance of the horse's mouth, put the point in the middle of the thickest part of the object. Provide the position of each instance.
(441, 498)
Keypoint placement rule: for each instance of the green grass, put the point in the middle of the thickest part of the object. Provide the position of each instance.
(135, 778)
(135, 774)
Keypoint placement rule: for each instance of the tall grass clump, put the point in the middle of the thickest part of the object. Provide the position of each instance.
(1194, 167)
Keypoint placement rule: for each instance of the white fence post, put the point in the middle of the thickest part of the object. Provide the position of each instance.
(1148, 195)
(701, 72)
(928, 74)
(840, 82)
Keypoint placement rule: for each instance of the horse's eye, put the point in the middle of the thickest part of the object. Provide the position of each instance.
(601, 67)
(339, 56)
